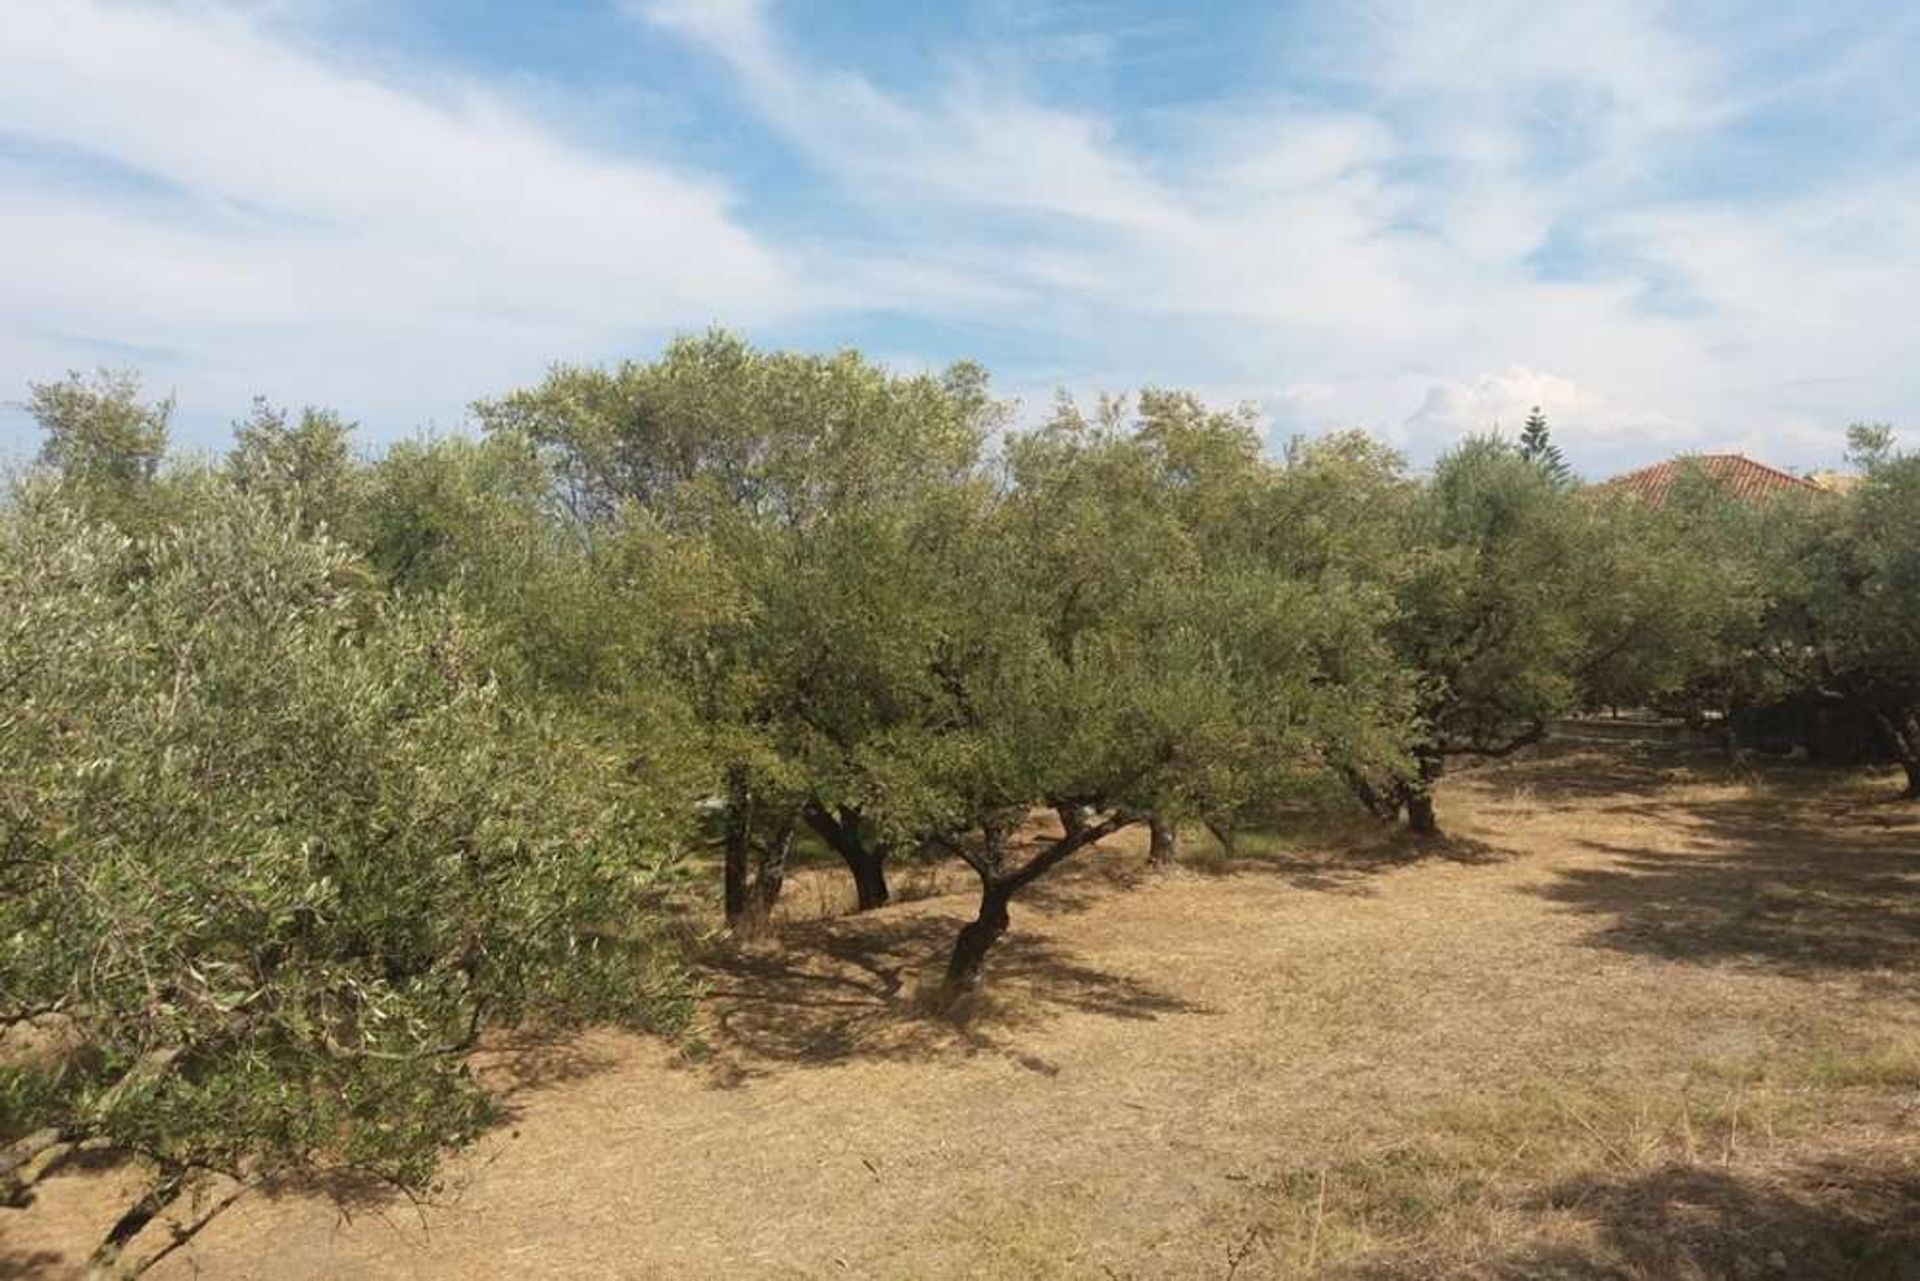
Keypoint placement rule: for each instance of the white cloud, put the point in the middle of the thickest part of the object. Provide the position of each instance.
(1484, 198)
(267, 213)
(1583, 421)
(1387, 251)
(980, 144)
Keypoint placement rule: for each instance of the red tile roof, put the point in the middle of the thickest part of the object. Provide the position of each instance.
(1739, 475)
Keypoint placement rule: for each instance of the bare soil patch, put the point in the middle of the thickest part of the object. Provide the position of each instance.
(1641, 1016)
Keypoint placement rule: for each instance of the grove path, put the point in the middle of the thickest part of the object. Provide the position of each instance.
(1151, 1047)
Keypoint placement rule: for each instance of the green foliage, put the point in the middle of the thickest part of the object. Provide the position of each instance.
(101, 437)
(315, 768)
(1675, 596)
(277, 848)
(1124, 638)
(1488, 627)
(1845, 620)
(811, 500)
(1870, 445)
(1537, 447)
(715, 432)
(1490, 616)
(304, 468)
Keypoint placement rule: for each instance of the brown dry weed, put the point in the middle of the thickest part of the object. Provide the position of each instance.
(1639, 1016)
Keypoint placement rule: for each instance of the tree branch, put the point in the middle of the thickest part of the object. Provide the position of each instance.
(182, 1234)
(1526, 738)
(1038, 865)
(19, 1154)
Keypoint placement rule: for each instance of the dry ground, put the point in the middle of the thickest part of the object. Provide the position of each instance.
(1641, 1017)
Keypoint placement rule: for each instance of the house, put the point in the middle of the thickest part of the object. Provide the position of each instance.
(1737, 474)
(1806, 722)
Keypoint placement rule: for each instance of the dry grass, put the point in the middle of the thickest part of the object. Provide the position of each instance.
(1640, 1017)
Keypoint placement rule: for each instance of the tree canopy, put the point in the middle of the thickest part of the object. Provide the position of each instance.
(321, 767)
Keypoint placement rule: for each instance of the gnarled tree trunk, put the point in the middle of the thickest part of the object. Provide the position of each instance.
(1420, 816)
(998, 884)
(1163, 842)
(841, 832)
(770, 868)
(1384, 803)
(1417, 794)
(977, 937)
(738, 846)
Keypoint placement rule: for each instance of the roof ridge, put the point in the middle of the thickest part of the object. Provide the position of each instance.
(1679, 459)
(1743, 477)
(1769, 467)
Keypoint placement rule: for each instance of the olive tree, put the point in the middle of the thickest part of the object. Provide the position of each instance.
(104, 439)
(1095, 652)
(1846, 617)
(1489, 622)
(1673, 600)
(276, 849)
(303, 465)
(98, 429)
(808, 481)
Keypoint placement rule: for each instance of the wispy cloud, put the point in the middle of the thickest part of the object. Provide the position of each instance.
(1486, 219)
(1669, 226)
(183, 177)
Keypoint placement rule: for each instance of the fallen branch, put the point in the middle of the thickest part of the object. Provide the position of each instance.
(103, 1264)
(20, 1153)
(183, 1233)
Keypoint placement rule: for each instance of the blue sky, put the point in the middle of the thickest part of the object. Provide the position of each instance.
(1675, 227)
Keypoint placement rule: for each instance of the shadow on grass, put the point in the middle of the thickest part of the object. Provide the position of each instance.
(1339, 856)
(528, 1061)
(1829, 1218)
(1824, 1220)
(1794, 878)
(823, 992)
(32, 1265)
(829, 992)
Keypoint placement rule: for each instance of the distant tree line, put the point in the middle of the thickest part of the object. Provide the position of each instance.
(319, 767)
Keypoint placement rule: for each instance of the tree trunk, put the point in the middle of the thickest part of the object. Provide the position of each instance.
(1420, 816)
(1072, 818)
(1419, 792)
(738, 848)
(1222, 829)
(1163, 843)
(869, 880)
(1382, 803)
(977, 937)
(770, 872)
(994, 833)
(842, 833)
(999, 883)
(1904, 737)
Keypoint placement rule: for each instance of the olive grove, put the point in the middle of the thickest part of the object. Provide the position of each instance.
(321, 768)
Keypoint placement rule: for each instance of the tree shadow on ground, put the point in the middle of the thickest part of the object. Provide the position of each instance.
(1577, 772)
(1791, 877)
(33, 1265)
(1631, 773)
(530, 1060)
(828, 992)
(1828, 1219)
(1348, 859)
